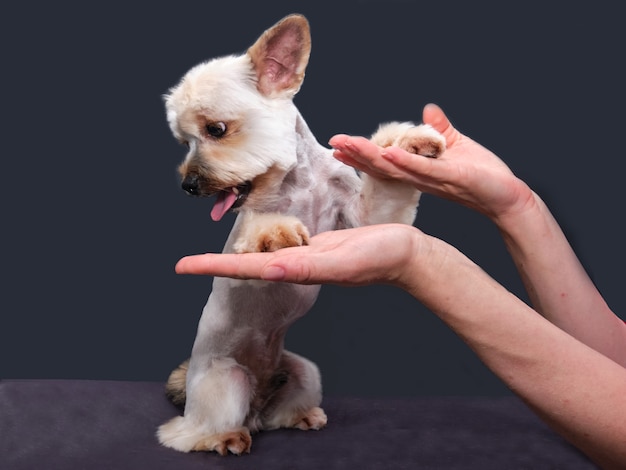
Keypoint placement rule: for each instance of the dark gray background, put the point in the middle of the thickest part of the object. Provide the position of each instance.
(94, 219)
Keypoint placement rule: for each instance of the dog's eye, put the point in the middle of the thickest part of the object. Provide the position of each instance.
(216, 129)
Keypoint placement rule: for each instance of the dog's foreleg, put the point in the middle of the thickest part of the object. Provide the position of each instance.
(388, 200)
(218, 402)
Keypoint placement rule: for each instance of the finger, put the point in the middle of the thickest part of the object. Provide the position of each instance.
(315, 268)
(363, 167)
(294, 269)
(364, 155)
(277, 266)
(435, 117)
(410, 165)
(354, 145)
(239, 266)
(337, 140)
(359, 146)
(316, 263)
(310, 264)
(348, 159)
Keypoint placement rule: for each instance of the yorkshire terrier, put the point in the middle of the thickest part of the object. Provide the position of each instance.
(249, 146)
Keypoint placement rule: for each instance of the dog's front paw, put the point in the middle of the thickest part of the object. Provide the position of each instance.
(421, 139)
(270, 232)
(185, 436)
(281, 235)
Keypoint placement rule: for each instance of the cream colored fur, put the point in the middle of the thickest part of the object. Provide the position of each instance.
(248, 144)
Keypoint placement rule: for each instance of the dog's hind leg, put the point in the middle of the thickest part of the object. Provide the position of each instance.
(175, 388)
(297, 403)
(218, 402)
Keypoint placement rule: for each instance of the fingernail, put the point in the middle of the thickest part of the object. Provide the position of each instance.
(337, 141)
(273, 273)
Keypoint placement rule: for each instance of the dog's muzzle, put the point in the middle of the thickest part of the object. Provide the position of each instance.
(228, 198)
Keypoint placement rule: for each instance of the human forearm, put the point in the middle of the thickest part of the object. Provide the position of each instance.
(579, 392)
(556, 282)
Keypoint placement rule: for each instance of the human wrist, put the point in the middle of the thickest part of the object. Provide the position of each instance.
(522, 202)
(524, 229)
(437, 269)
(425, 255)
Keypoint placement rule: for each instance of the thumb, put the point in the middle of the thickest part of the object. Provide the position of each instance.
(435, 117)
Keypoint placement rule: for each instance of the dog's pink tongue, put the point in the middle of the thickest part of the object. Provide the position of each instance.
(225, 200)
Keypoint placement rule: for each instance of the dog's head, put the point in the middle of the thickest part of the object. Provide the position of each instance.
(236, 116)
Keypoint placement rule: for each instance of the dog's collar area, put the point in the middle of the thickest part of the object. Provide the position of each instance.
(230, 198)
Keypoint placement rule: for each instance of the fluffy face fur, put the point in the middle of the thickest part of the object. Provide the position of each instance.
(231, 111)
(250, 147)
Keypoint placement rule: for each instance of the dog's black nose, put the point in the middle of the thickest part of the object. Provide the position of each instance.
(191, 184)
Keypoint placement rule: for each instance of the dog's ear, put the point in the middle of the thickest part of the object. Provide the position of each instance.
(281, 55)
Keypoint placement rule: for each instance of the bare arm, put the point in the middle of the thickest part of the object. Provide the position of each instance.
(578, 391)
(556, 282)
(469, 174)
(568, 365)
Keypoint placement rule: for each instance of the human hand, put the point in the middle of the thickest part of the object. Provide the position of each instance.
(352, 257)
(466, 172)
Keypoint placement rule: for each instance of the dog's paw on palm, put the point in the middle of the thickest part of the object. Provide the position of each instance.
(419, 139)
(270, 232)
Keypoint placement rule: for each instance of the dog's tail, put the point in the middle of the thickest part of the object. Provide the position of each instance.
(175, 388)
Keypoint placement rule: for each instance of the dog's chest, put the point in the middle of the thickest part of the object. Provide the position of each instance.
(319, 192)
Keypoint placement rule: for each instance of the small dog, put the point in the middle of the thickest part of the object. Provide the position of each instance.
(249, 146)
